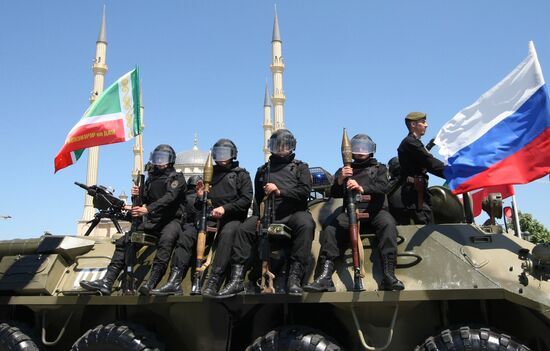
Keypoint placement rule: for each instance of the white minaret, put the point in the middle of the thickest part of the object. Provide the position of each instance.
(277, 68)
(268, 125)
(99, 69)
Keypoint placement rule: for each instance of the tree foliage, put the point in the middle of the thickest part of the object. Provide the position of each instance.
(539, 234)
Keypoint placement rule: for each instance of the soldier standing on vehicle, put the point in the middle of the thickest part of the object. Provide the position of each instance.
(231, 196)
(185, 246)
(416, 161)
(162, 213)
(366, 176)
(290, 182)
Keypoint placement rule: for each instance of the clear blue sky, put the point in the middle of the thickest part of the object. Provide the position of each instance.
(356, 64)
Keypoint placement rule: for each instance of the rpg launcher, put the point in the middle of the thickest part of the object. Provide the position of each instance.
(200, 265)
(351, 198)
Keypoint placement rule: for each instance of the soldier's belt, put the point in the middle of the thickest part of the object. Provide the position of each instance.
(142, 238)
(278, 230)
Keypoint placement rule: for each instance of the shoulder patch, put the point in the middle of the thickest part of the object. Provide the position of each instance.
(174, 184)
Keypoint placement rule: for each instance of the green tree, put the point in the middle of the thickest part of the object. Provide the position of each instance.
(539, 234)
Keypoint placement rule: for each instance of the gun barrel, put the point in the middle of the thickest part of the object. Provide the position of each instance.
(19, 247)
(83, 186)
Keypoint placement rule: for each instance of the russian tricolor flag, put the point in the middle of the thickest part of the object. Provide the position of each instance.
(502, 138)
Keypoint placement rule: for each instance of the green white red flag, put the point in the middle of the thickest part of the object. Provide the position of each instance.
(114, 117)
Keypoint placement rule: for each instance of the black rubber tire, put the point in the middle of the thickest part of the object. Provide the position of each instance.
(16, 337)
(294, 338)
(465, 338)
(118, 336)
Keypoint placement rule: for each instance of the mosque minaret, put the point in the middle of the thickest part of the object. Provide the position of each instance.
(277, 69)
(268, 126)
(99, 69)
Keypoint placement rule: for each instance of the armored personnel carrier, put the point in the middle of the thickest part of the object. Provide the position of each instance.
(468, 287)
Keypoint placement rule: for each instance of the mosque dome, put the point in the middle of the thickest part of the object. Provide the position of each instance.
(191, 162)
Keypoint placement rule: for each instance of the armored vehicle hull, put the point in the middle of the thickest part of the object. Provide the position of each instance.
(466, 286)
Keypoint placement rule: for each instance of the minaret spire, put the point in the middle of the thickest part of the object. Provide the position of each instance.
(102, 37)
(277, 69)
(276, 34)
(268, 126)
(99, 69)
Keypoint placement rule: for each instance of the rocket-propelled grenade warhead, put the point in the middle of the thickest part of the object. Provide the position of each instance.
(208, 171)
(347, 158)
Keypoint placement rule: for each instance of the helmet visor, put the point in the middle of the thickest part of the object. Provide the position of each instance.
(282, 145)
(222, 153)
(159, 158)
(363, 147)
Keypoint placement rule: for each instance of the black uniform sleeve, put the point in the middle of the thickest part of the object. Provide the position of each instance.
(337, 190)
(242, 204)
(174, 192)
(303, 188)
(424, 158)
(380, 185)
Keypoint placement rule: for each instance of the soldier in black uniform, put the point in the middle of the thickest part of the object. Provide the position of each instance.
(231, 197)
(162, 214)
(395, 204)
(185, 246)
(290, 181)
(416, 161)
(367, 177)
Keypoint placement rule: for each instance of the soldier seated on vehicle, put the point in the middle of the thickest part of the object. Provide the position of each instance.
(184, 251)
(231, 195)
(162, 213)
(290, 181)
(368, 177)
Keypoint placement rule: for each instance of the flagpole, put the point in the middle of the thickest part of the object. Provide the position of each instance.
(517, 227)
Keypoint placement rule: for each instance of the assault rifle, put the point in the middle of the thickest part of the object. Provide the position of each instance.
(130, 256)
(266, 281)
(109, 206)
(355, 241)
(200, 264)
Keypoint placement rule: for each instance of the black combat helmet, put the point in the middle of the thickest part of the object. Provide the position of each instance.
(223, 150)
(282, 141)
(394, 167)
(162, 154)
(193, 180)
(362, 144)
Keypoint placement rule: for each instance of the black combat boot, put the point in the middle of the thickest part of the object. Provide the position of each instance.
(103, 286)
(156, 275)
(235, 284)
(213, 283)
(390, 281)
(295, 279)
(173, 286)
(196, 283)
(324, 281)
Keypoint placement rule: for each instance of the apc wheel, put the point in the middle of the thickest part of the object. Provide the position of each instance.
(470, 339)
(294, 338)
(16, 338)
(118, 337)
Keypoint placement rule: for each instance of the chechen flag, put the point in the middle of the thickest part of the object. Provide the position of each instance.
(113, 117)
(502, 138)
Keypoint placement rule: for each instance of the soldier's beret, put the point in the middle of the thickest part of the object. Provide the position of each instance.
(415, 116)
